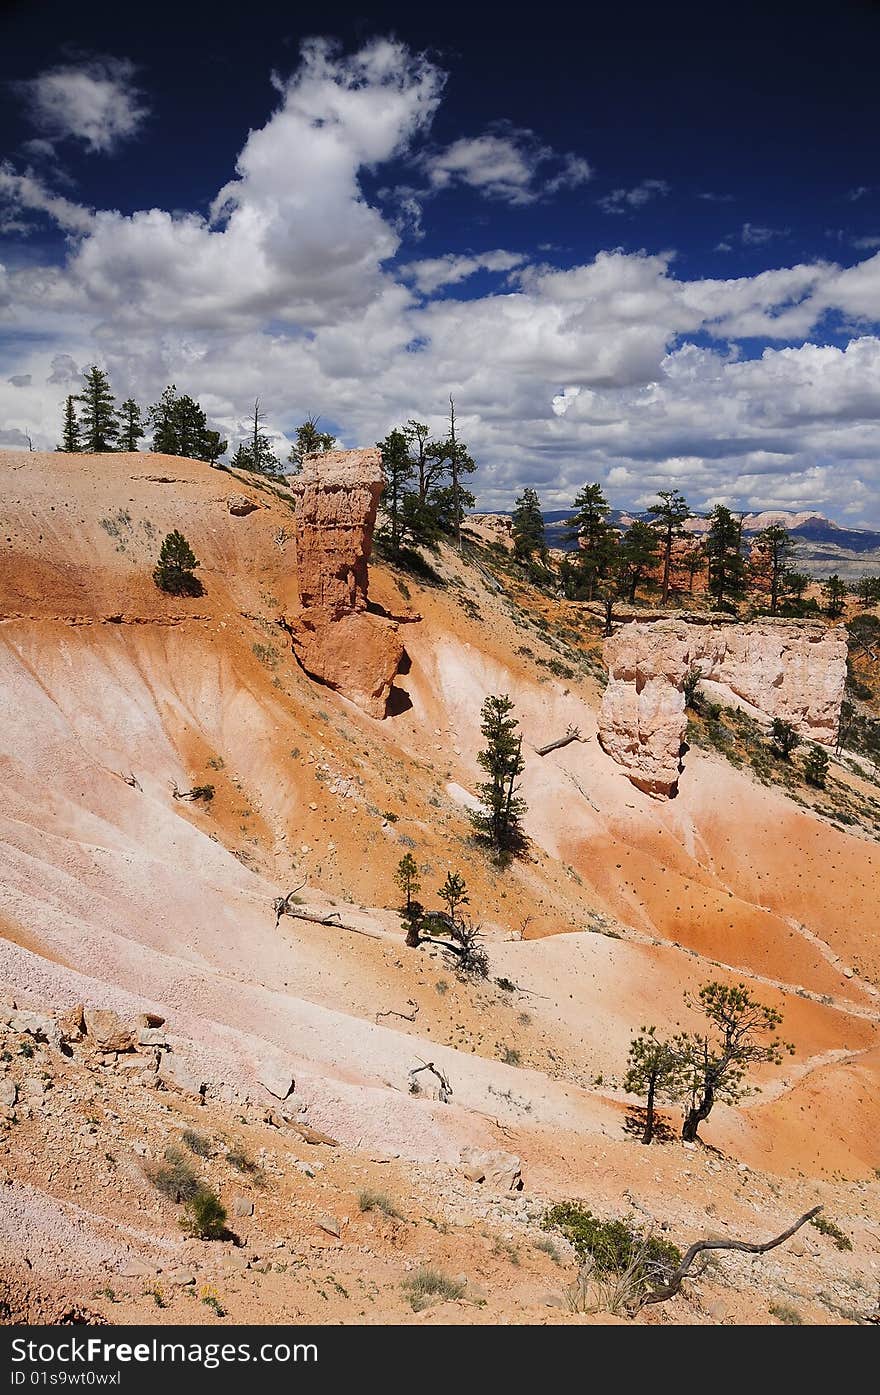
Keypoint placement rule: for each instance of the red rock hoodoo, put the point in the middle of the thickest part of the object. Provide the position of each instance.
(335, 638)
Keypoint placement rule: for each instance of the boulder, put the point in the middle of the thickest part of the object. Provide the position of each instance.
(107, 1031)
(174, 1074)
(151, 1036)
(242, 1206)
(39, 1025)
(276, 1077)
(240, 505)
(357, 654)
(71, 1023)
(8, 1092)
(498, 1170)
(135, 1268)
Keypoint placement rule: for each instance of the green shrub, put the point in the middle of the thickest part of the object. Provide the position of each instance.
(612, 1245)
(831, 1229)
(378, 1201)
(547, 1247)
(784, 1313)
(175, 570)
(175, 1177)
(239, 1159)
(204, 1215)
(197, 1144)
(430, 1283)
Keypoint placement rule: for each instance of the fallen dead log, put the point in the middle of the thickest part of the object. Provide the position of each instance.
(660, 1295)
(404, 1016)
(573, 734)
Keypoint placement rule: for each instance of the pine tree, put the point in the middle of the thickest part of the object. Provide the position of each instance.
(98, 422)
(783, 737)
(867, 588)
(191, 426)
(527, 527)
(835, 596)
(670, 515)
(398, 470)
(309, 441)
(714, 1064)
(407, 878)
(653, 1070)
(454, 893)
(816, 767)
(453, 459)
(588, 527)
(794, 584)
(131, 428)
(693, 560)
(180, 427)
(771, 549)
(70, 430)
(502, 761)
(175, 571)
(636, 554)
(215, 446)
(162, 419)
(427, 458)
(724, 551)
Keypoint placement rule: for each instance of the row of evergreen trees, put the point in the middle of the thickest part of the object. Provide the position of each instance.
(179, 427)
(618, 563)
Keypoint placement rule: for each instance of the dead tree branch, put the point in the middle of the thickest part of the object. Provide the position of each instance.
(404, 1016)
(573, 734)
(283, 905)
(660, 1295)
(444, 1093)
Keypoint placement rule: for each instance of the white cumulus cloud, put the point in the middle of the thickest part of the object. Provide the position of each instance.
(95, 102)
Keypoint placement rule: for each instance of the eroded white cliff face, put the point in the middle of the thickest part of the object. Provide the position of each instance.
(792, 669)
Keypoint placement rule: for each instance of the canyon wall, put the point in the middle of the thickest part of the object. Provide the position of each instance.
(336, 639)
(792, 669)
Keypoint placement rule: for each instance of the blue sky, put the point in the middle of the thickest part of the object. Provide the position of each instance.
(635, 250)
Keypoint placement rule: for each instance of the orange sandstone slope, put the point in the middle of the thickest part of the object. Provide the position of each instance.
(114, 892)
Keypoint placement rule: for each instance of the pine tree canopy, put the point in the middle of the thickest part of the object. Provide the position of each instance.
(98, 423)
(527, 526)
(175, 571)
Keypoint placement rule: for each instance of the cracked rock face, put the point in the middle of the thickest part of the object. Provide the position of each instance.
(335, 638)
(790, 669)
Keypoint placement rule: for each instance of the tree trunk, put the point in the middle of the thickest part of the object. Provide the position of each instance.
(666, 560)
(649, 1111)
(455, 498)
(696, 1114)
(509, 798)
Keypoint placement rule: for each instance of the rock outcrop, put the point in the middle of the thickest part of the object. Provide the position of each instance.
(791, 669)
(335, 637)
